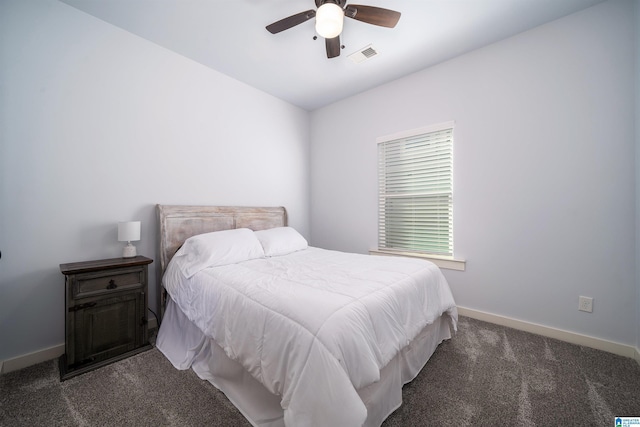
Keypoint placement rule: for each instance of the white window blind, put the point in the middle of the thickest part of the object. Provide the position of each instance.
(415, 177)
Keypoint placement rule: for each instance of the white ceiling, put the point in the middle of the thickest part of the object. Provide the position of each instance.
(230, 37)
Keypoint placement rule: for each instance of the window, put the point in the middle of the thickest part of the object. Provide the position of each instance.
(415, 177)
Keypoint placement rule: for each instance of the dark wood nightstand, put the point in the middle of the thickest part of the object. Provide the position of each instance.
(105, 312)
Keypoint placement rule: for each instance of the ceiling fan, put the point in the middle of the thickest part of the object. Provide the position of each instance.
(329, 19)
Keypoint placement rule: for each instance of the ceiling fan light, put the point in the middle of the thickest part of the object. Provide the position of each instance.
(329, 19)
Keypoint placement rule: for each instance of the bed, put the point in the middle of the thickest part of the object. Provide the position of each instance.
(294, 335)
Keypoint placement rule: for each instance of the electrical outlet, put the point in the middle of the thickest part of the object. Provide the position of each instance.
(585, 304)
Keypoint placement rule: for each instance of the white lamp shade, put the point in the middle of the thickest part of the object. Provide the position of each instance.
(129, 231)
(329, 19)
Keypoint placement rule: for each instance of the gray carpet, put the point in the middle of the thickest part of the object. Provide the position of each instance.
(486, 375)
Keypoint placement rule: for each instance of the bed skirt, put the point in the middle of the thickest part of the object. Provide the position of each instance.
(186, 347)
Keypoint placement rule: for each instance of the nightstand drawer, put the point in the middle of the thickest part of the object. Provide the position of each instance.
(87, 285)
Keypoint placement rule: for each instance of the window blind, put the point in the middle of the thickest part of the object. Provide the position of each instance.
(415, 178)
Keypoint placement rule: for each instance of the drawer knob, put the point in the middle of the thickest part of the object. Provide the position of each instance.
(112, 284)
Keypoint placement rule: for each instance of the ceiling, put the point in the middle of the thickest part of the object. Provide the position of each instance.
(230, 37)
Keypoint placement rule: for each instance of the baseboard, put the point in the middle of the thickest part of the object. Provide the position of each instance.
(152, 323)
(40, 356)
(559, 334)
(36, 357)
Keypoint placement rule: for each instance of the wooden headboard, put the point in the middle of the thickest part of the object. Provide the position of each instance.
(176, 223)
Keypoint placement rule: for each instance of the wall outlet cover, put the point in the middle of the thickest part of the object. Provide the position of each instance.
(585, 304)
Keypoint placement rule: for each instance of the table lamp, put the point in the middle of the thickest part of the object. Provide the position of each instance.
(129, 232)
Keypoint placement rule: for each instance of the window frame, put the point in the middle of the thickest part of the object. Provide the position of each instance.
(442, 260)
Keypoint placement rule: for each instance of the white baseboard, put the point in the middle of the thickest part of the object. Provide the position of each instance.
(152, 323)
(36, 357)
(40, 356)
(571, 337)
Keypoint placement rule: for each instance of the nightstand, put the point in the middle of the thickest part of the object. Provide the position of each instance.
(105, 312)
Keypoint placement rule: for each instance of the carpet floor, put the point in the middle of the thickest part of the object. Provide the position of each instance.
(487, 375)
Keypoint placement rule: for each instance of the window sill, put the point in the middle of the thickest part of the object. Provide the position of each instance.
(443, 262)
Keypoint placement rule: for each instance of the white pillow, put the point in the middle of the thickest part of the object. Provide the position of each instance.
(281, 241)
(216, 249)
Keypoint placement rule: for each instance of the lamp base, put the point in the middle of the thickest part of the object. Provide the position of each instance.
(129, 251)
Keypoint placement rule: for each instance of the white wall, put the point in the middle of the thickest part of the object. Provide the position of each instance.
(97, 126)
(544, 206)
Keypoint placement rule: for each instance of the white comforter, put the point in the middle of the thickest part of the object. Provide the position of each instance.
(315, 325)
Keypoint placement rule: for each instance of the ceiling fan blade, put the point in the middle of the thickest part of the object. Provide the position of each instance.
(290, 21)
(333, 47)
(373, 15)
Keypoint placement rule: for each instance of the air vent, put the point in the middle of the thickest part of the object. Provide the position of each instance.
(363, 54)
